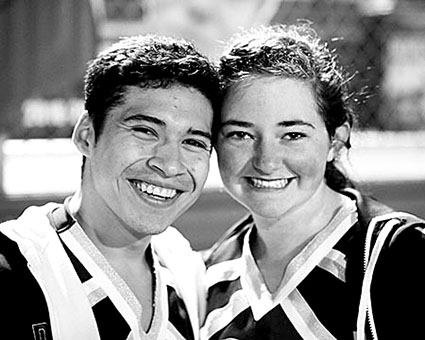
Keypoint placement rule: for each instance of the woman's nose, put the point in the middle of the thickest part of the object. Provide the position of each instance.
(167, 160)
(266, 158)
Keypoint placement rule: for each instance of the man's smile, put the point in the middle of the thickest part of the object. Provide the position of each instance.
(154, 191)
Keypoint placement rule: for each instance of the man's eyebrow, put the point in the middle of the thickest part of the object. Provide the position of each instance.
(141, 117)
(201, 133)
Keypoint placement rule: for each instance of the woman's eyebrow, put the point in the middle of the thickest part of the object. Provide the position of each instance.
(295, 122)
(236, 122)
(286, 123)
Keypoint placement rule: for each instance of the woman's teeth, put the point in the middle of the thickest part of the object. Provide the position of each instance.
(269, 184)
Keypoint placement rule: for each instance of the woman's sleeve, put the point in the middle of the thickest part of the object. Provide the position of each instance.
(398, 287)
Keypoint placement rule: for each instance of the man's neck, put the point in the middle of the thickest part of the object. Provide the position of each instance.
(108, 233)
(139, 275)
(129, 255)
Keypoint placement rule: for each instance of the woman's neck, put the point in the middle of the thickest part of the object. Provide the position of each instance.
(276, 242)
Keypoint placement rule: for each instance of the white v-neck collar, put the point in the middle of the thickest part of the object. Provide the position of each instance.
(253, 285)
(115, 287)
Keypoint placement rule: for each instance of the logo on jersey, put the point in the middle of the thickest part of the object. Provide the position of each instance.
(40, 331)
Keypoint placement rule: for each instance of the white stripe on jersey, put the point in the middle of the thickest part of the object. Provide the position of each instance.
(94, 292)
(221, 317)
(91, 258)
(258, 298)
(172, 333)
(223, 271)
(335, 263)
(318, 248)
(303, 318)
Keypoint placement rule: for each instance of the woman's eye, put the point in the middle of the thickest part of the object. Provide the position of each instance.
(293, 136)
(238, 135)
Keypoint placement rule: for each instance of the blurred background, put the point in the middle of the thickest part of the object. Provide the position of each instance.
(45, 46)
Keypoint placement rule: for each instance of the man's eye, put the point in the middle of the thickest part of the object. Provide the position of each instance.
(293, 136)
(144, 130)
(198, 144)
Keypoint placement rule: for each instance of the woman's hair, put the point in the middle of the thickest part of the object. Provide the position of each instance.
(295, 52)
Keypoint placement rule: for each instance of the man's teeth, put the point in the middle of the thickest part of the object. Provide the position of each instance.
(269, 184)
(155, 190)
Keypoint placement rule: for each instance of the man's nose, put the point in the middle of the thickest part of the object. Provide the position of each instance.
(167, 160)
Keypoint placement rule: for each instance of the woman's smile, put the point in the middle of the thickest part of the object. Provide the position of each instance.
(268, 184)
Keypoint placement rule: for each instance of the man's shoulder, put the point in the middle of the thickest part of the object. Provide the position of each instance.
(177, 260)
(229, 246)
(19, 288)
(21, 230)
(10, 256)
(182, 270)
(30, 219)
(171, 245)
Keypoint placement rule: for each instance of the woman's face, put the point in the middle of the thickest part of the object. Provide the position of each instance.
(273, 146)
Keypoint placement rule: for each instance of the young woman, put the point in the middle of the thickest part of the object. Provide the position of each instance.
(314, 259)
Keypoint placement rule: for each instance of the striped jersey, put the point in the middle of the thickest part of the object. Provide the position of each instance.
(109, 307)
(314, 300)
(116, 309)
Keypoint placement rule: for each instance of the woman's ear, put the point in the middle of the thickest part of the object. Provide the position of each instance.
(339, 141)
(83, 134)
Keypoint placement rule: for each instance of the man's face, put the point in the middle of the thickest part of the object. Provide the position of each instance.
(151, 160)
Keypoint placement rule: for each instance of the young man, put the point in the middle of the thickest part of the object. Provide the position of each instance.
(91, 268)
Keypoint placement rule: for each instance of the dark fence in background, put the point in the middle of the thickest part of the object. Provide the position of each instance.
(45, 49)
(381, 43)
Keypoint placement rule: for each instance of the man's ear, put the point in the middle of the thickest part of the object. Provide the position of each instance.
(83, 134)
(339, 141)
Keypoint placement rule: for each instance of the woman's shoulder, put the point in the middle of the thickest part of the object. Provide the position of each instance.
(374, 217)
(372, 210)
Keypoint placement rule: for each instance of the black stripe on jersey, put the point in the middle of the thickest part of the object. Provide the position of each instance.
(222, 292)
(178, 315)
(110, 323)
(22, 303)
(61, 220)
(81, 271)
(332, 303)
(275, 325)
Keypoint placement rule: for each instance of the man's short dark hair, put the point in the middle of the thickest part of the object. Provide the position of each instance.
(146, 61)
